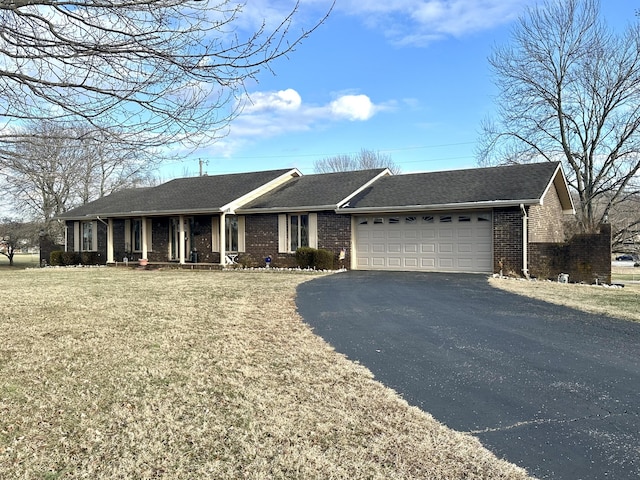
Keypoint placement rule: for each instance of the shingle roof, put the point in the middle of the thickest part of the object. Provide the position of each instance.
(513, 183)
(319, 190)
(207, 193)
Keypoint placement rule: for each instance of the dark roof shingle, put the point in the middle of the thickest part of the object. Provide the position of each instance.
(318, 190)
(183, 194)
(492, 184)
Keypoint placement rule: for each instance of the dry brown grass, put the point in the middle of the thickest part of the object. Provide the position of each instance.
(615, 302)
(108, 373)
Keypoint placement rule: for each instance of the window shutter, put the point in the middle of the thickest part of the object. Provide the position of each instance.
(313, 230)
(241, 233)
(94, 236)
(76, 236)
(282, 234)
(215, 234)
(149, 235)
(127, 236)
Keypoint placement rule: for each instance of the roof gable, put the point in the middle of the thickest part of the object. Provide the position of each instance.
(318, 191)
(507, 185)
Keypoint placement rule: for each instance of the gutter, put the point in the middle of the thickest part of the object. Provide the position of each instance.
(439, 207)
(525, 241)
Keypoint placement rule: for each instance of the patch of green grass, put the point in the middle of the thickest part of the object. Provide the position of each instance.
(116, 373)
(20, 261)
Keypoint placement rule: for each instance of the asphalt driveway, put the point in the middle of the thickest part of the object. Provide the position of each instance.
(549, 388)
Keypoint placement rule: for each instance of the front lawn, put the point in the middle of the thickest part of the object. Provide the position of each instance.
(616, 302)
(114, 373)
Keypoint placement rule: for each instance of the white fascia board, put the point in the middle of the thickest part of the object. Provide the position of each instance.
(439, 207)
(559, 181)
(231, 207)
(313, 208)
(384, 173)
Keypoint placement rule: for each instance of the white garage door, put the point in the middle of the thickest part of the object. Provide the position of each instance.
(447, 242)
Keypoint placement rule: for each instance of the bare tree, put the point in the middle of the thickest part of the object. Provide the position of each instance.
(363, 160)
(568, 90)
(162, 70)
(15, 235)
(59, 167)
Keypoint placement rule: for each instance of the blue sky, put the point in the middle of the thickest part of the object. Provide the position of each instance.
(407, 78)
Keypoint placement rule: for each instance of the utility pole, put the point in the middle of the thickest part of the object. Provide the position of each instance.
(202, 162)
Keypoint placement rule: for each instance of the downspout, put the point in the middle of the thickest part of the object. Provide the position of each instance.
(525, 241)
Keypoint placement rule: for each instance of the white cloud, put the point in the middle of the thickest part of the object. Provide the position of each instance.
(274, 114)
(284, 100)
(353, 107)
(424, 21)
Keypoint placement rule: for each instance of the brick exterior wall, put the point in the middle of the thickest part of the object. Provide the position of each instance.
(507, 241)
(546, 221)
(261, 239)
(585, 258)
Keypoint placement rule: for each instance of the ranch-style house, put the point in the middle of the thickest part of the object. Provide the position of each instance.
(506, 219)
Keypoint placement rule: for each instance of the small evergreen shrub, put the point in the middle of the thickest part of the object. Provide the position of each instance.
(323, 260)
(305, 257)
(89, 258)
(70, 258)
(55, 258)
(319, 259)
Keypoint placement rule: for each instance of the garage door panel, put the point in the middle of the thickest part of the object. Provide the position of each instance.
(378, 248)
(411, 262)
(394, 262)
(440, 242)
(445, 247)
(428, 248)
(465, 247)
(394, 248)
(410, 248)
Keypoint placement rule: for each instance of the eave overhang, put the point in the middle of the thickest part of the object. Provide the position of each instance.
(439, 207)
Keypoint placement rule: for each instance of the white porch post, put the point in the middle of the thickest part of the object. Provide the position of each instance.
(354, 251)
(223, 239)
(182, 239)
(143, 233)
(110, 240)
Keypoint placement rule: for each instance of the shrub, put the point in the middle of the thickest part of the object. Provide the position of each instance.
(55, 258)
(89, 258)
(320, 259)
(305, 257)
(323, 260)
(70, 258)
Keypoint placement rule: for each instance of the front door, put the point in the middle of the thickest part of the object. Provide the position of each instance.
(174, 238)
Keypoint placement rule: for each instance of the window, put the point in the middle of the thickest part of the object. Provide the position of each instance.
(137, 235)
(87, 236)
(363, 221)
(231, 233)
(378, 221)
(427, 219)
(484, 217)
(298, 231)
(394, 220)
(410, 220)
(445, 219)
(133, 240)
(464, 218)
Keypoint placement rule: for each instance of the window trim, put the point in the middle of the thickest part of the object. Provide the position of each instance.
(284, 230)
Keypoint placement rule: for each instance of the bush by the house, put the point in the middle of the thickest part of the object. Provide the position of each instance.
(320, 259)
(70, 258)
(89, 258)
(55, 258)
